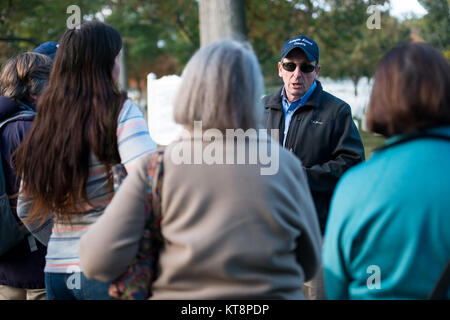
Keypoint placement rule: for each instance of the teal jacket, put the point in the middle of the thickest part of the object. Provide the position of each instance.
(388, 233)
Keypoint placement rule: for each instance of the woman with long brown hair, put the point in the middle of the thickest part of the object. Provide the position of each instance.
(83, 128)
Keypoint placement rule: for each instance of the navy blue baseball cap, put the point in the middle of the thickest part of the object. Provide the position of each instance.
(47, 48)
(308, 46)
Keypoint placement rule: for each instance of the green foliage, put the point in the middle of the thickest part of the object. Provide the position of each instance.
(154, 29)
(24, 24)
(271, 23)
(158, 34)
(161, 35)
(436, 24)
(348, 48)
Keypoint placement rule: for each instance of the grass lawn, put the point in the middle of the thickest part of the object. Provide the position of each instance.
(370, 142)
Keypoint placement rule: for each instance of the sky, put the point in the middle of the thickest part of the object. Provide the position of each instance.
(402, 8)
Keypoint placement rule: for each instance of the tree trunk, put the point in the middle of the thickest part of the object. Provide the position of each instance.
(138, 81)
(222, 19)
(355, 80)
(123, 77)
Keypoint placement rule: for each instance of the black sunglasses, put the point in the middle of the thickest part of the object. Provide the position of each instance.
(304, 67)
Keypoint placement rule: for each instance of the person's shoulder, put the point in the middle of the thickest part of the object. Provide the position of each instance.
(145, 162)
(154, 155)
(11, 111)
(129, 105)
(272, 98)
(334, 101)
(331, 102)
(129, 110)
(360, 176)
(16, 124)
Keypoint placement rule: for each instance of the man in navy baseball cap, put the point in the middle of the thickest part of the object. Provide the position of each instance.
(315, 126)
(303, 52)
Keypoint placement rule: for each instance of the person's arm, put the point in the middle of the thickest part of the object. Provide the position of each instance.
(111, 243)
(41, 230)
(348, 151)
(133, 137)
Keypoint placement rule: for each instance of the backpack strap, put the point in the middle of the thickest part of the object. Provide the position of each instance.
(11, 231)
(441, 288)
(17, 116)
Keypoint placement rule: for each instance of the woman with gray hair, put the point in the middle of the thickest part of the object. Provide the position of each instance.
(22, 79)
(230, 230)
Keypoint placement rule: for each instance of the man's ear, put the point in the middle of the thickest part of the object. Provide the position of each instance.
(280, 70)
(317, 71)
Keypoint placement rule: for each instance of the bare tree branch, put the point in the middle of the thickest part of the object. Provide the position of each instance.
(11, 39)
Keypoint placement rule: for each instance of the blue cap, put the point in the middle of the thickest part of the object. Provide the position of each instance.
(47, 48)
(308, 46)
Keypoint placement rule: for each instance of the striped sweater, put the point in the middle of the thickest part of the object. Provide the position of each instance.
(133, 141)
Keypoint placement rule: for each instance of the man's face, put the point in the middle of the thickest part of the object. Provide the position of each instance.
(297, 83)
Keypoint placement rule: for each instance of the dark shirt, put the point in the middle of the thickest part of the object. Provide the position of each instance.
(325, 138)
(19, 267)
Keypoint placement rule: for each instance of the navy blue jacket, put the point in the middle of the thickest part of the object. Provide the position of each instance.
(19, 267)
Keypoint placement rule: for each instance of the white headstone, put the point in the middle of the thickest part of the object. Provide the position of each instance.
(161, 94)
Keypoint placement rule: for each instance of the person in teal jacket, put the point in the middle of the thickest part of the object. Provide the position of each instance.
(388, 233)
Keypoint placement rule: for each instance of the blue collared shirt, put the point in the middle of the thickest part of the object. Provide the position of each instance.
(290, 107)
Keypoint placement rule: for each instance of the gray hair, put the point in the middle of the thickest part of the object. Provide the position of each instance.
(221, 86)
(25, 75)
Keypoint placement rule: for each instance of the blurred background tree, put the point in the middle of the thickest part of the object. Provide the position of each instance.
(435, 25)
(271, 23)
(348, 48)
(161, 35)
(24, 24)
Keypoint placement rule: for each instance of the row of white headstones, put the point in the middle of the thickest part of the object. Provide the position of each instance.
(161, 95)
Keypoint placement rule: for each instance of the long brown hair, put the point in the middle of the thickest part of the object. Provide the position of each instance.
(76, 115)
(411, 91)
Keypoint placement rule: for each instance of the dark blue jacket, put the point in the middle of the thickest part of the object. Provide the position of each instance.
(323, 136)
(19, 267)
